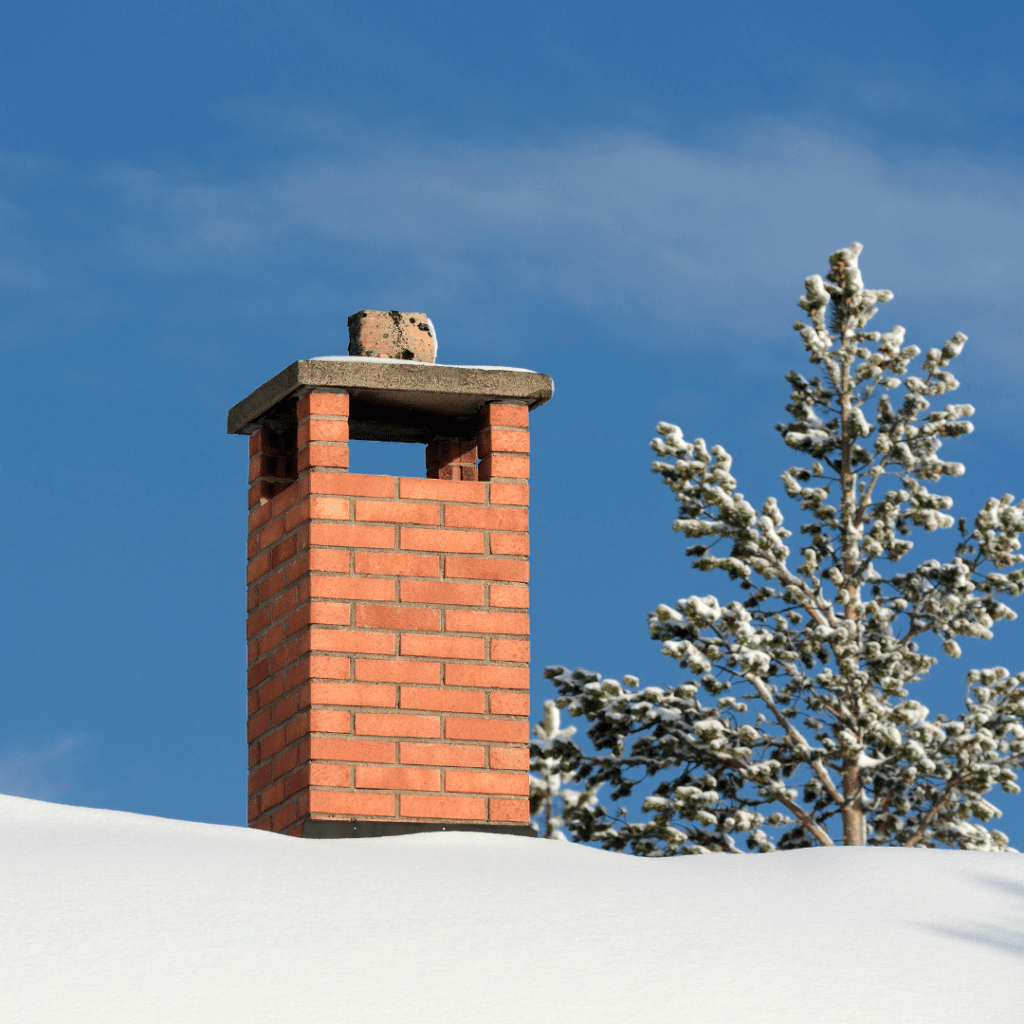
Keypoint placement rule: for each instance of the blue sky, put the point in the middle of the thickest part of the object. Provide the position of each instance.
(193, 196)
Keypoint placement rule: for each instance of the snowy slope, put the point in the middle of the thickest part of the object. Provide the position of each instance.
(111, 917)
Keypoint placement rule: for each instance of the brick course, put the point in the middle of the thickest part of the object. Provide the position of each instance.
(387, 629)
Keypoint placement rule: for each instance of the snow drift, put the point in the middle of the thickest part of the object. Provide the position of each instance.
(113, 917)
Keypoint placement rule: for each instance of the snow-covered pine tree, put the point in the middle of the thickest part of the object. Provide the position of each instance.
(796, 714)
(551, 783)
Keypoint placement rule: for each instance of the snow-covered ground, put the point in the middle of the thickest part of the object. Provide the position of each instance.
(111, 917)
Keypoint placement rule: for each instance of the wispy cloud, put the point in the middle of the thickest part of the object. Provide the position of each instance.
(614, 225)
(43, 771)
(20, 269)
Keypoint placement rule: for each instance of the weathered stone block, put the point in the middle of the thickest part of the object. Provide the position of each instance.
(391, 335)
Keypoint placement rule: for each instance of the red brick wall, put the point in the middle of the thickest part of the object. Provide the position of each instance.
(388, 631)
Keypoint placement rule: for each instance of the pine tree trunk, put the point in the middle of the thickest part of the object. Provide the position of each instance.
(855, 831)
(854, 820)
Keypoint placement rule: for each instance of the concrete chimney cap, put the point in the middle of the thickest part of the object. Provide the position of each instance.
(395, 399)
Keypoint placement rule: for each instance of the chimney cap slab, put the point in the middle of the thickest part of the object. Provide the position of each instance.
(396, 400)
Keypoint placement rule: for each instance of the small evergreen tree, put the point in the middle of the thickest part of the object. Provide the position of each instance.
(796, 710)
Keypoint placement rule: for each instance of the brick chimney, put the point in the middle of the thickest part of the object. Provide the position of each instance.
(388, 624)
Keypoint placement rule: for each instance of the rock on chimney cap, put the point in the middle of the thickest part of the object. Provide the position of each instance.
(392, 335)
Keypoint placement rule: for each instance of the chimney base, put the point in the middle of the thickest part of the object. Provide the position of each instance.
(320, 829)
